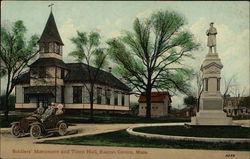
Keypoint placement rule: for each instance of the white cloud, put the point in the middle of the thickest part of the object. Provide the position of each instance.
(67, 31)
(144, 14)
(112, 29)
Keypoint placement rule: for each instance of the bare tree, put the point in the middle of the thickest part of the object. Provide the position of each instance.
(199, 84)
(228, 83)
(237, 92)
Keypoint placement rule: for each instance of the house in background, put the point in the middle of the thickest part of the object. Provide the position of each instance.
(232, 107)
(49, 79)
(188, 111)
(160, 104)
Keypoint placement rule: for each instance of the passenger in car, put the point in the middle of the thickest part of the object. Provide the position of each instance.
(48, 112)
(59, 110)
(40, 110)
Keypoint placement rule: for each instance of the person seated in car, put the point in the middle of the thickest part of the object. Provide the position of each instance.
(48, 112)
(40, 110)
(59, 110)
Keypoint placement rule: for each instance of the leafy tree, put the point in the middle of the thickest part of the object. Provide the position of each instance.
(16, 52)
(88, 50)
(12, 101)
(149, 57)
(190, 100)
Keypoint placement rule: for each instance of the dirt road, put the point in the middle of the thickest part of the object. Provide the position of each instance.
(26, 148)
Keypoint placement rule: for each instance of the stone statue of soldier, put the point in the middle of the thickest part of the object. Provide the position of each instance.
(211, 41)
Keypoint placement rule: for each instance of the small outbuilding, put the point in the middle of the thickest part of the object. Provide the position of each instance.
(160, 104)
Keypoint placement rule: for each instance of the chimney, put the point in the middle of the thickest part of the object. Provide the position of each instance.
(110, 69)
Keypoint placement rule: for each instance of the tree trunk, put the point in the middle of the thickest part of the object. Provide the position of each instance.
(7, 94)
(198, 102)
(148, 102)
(198, 105)
(6, 111)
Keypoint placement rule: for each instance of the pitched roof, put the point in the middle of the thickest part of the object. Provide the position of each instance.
(155, 97)
(78, 72)
(48, 62)
(50, 32)
(40, 90)
(23, 78)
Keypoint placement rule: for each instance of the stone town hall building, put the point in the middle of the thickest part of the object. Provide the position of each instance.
(49, 79)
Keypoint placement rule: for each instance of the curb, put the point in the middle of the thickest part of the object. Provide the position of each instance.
(181, 138)
(4, 130)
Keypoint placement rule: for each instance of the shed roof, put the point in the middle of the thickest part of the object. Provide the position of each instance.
(155, 97)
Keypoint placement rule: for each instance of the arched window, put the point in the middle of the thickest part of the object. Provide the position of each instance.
(57, 48)
(51, 47)
(61, 50)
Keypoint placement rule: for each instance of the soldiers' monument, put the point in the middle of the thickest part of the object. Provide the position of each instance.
(211, 102)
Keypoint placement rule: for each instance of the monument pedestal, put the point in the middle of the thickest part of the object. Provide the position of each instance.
(211, 102)
(212, 117)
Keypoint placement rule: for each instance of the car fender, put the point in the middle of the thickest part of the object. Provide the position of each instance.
(61, 121)
(37, 123)
(16, 122)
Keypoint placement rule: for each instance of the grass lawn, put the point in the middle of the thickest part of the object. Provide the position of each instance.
(101, 119)
(214, 132)
(121, 119)
(123, 139)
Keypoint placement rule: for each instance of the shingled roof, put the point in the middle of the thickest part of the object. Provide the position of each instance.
(23, 78)
(156, 97)
(79, 73)
(49, 62)
(50, 32)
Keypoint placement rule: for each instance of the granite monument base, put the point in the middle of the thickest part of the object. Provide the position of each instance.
(211, 117)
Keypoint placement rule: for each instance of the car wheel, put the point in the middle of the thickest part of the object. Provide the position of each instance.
(62, 128)
(35, 131)
(16, 130)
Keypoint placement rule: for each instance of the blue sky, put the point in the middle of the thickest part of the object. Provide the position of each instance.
(110, 18)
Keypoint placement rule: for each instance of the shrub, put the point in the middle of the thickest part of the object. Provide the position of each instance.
(12, 101)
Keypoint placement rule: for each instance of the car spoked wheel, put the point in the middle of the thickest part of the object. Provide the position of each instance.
(15, 130)
(35, 131)
(62, 129)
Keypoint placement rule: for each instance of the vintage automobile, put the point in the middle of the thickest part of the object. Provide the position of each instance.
(37, 126)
